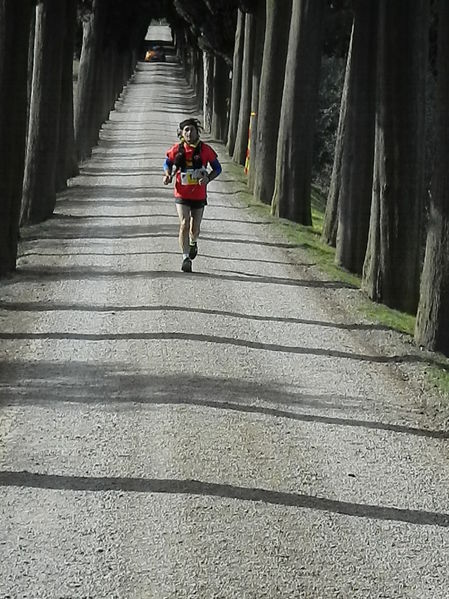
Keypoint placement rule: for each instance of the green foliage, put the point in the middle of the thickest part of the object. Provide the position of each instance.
(336, 36)
(439, 378)
(331, 87)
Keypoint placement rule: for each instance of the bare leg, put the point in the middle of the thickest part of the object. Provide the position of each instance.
(195, 223)
(184, 227)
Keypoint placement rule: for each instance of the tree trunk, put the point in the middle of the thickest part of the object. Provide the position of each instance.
(241, 137)
(220, 99)
(190, 62)
(39, 190)
(236, 84)
(291, 197)
(179, 42)
(30, 64)
(208, 66)
(392, 263)
(15, 18)
(67, 165)
(432, 322)
(271, 84)
(330, 223)
(356, 174)
(255, 87)
(87, 119)
(198, 84)
(109, 58)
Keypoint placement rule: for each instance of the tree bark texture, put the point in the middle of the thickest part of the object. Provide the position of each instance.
(88, 116)
(39, 190)
(241, 136)
(15, 18)
(392, 264)
(270, 97)
(179, 41)
(291, 197)
(356, 173)
(189, 63)
(208, 66)
(198, 83)
(221, 94)
(255, 88)
(432, 322)
(105, 82)
(236, 88)
(109, 61)
(30, 62)
(67, 164)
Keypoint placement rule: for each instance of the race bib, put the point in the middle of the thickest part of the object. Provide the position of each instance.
(192, 176)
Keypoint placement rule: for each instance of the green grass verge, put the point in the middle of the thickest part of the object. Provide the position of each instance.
(439, 378)
(324, 257)
(394, 319)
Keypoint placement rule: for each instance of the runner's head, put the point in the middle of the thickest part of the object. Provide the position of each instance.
(189, 130)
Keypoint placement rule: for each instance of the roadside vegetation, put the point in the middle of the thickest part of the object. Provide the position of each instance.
(323, 256)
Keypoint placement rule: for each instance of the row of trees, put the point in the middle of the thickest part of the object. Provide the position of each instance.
(44, 131)
(387, 222)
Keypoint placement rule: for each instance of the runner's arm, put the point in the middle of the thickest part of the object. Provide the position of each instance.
(168, 177)
(216, 170)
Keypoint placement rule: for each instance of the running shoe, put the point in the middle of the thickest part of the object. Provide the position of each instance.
(186, 265)
(193, 250)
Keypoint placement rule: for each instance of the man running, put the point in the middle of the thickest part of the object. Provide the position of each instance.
(187, 161)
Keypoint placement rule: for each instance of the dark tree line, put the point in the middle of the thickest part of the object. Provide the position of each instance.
(15, 24)
(377, 198)
(375, 215)
(255, 68)
(44, 131)
(432, 326)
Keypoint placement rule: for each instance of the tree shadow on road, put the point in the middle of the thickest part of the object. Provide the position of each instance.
(31, 273)
(231, 341)
(46, 383)
(64, 307)
(117, 388)
(26, 479)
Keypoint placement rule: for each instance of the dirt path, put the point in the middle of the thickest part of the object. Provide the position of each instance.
(225, 434)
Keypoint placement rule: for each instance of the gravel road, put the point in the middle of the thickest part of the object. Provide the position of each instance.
(233, 433)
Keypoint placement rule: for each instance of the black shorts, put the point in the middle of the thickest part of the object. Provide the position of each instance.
(193, 204)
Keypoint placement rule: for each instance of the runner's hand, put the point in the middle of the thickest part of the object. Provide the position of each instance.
(167, 179)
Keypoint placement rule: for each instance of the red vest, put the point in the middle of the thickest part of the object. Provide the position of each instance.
(186, 182)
